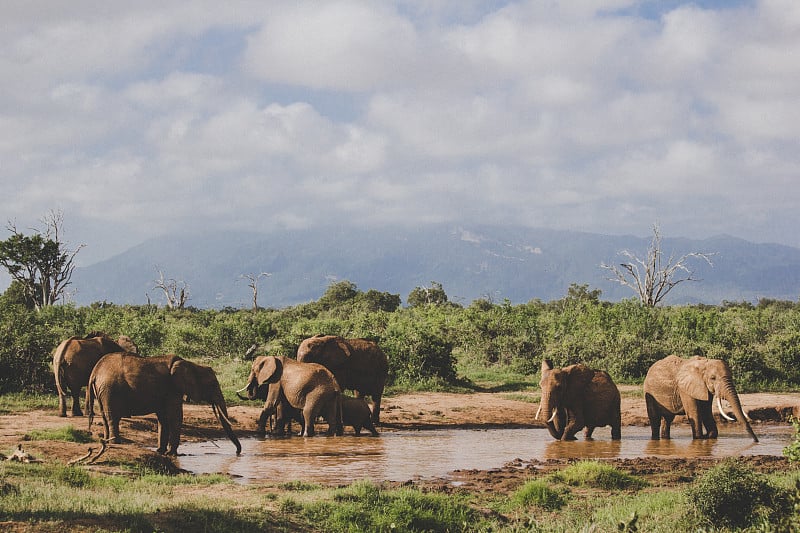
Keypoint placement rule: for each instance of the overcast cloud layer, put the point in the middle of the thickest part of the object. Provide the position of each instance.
(142, 118)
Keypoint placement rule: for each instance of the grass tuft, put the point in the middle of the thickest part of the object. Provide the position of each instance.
(598, 475)
(65, 434)
(538, 493)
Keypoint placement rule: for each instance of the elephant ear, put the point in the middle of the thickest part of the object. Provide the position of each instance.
(547, 365)
(184, 376)
(270, 371)
(579, 378)
(690, 380)
(343, 346)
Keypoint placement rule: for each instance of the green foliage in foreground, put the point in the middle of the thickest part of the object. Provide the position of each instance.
(734, 496)
(792, 451)
(364, 506)
(598, 475)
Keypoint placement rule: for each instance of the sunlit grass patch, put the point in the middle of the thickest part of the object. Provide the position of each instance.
(598, 475)
(65, 433)
(14, 402)
(539, 493)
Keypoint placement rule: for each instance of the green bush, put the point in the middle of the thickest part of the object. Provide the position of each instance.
(598, 475)
(792, 451)
(735, 496)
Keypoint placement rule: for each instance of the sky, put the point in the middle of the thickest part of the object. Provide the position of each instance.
(138, 119)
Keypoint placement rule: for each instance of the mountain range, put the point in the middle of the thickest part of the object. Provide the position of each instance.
(514, 263)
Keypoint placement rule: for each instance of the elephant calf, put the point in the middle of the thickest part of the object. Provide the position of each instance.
(356, 414)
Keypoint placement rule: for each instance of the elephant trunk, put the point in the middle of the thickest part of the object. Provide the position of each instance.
(221, 412)
(554, 421)
(727, 392)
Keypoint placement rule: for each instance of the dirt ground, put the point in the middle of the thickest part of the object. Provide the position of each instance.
(406, 411)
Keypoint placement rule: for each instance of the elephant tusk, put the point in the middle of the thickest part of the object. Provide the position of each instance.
(553, 416)
(726, 417)
(242, 389)
(538, 412)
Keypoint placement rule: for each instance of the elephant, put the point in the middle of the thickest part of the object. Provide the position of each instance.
(127, 385)
(356, 414)
(675, 386)
(74, 359)
(358, 365)
(577, 397)
(309, 387)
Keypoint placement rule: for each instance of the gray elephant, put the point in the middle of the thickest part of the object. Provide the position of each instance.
(358, 364)
(577, 397)
(675, 386)
(309, 387)
(127, 385)
(356, 414)
(74, 359)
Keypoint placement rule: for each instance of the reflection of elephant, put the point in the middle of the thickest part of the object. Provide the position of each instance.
(306, 386)
(358, 364)
(575, 397)
(74, 359)
(675, 386)
(356, 413)
(127, 385)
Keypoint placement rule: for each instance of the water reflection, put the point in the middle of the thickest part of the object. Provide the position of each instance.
(403, 455)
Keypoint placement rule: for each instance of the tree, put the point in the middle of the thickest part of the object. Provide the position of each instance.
(176, 292)
(39, 262)
(427, 295)
(338, 293)
(652, 278)
(253, 284)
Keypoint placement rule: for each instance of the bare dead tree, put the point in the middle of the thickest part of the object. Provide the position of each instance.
(253, 284)
(652, 278)
(176, 292)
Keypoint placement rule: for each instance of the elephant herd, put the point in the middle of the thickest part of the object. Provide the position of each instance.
(576, 397)
(124, 384)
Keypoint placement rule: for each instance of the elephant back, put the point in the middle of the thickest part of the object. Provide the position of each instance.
(369, 367)
(661, 382)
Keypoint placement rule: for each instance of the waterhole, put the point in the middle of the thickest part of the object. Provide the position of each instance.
(404, 455)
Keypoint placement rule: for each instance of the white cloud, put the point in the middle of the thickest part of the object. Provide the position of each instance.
(571, 114)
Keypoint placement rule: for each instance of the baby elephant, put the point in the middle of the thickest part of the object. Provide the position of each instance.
(356, 413)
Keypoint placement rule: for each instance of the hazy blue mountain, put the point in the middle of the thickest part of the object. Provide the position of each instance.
(514, 263)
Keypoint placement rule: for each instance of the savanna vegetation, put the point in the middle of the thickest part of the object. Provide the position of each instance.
(430, 345)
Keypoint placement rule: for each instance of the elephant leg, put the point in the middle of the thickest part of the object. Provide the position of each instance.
(76, 403)
(163, 434)
(575, 424)
(376, 409)
(261, 425)
(115, 438)
(175, 433)
(308, 420)
(587, 432)
(654, 415)
(710, 424)
(666, 425)
(616, 429)
(62, 405)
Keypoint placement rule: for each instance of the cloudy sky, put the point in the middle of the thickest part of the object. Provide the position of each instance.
(137, 119)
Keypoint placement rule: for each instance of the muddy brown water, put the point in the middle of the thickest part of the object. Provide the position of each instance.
(405, 455)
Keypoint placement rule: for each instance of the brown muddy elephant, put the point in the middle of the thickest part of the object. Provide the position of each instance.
(358, 364)
(309, 387)
(127, 385)
(74, 359)
(577, 397)
(675, 386)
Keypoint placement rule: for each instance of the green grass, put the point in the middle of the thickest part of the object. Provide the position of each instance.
(14, 402)
(597, 475)
(64, 434)
(538, 493)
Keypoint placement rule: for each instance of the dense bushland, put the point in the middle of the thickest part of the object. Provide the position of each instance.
(428, 343)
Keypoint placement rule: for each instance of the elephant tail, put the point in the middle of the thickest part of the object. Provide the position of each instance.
(90, 394)
(58, 365)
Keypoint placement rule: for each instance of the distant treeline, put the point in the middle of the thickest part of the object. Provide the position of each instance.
(428, 341)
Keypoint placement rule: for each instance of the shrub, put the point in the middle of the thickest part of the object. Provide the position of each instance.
(733, 495)
(792, 451)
